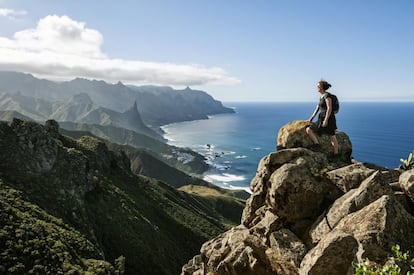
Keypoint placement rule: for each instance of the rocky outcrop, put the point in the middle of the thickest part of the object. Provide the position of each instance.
(293, 135)
(312, 214)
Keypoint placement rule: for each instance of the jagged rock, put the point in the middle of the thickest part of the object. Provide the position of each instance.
(407, 183)
(297, 195)
(333, 255)
(405, 201)
(267, 225)
(235, 252)
(27, 148)
(378, 226)
(350, 176)
(370, 190)
(347, 214)
(194, 267)
(268, 166)
(293, 135)
(286, 252)
(52, 127)
(32, 150)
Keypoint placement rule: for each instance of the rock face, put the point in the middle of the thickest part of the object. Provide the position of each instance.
(311, 214)
(293, 135)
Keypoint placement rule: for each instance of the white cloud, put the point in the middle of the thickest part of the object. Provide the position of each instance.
(61, 48)
(12, 14)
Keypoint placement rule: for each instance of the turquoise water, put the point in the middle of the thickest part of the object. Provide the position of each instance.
(233, 144)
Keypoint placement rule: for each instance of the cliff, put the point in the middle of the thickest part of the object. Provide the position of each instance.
(72, 206)
(156, 105)
(311, 213)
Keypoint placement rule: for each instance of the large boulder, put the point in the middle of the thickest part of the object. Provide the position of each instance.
(379, 226)
(233, 252)
(333, 255)
(286, 252)
(293, 135)
(370, 190)
(350, 176)
(299, 196)
(291, 184)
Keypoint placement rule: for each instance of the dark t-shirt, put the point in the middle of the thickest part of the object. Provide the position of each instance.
(331, 127)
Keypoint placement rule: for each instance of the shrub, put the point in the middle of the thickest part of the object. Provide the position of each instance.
(402, 263)
(407, 164)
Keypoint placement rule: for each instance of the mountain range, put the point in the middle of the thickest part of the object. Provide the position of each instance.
(96, 189)
(157, 105)
(74, 206)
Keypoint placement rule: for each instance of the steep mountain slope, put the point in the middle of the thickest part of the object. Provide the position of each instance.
(78, 108)
(34, 242)
(157, 105)
(81, 109)
(175, 105)
(9, 115)
(35, 108)
(129, 139)
(92, 189)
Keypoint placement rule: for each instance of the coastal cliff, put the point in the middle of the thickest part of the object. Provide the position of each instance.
(73, 206)
(313, 213)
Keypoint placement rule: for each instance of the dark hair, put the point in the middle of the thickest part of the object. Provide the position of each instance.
(325, 84)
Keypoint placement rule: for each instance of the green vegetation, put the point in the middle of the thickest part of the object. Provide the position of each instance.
(221, 204)
(77, 207)
(401, 263)
(34, 242)
(407, 164)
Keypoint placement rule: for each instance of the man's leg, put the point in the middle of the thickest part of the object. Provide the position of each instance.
(334, 143)
(312, 135)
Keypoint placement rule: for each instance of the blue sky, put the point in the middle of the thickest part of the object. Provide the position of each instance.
(235, 50)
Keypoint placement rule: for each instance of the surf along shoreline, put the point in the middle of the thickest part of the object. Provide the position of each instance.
(217, 173)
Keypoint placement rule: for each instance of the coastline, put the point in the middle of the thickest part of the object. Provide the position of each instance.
(207, 150)
(249, 134)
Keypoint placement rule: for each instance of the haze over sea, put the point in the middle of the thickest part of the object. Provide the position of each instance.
(233, 144)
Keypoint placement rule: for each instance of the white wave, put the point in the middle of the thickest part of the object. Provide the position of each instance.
(224, 178)
(256, 149)
(247, 189)
(240, 157)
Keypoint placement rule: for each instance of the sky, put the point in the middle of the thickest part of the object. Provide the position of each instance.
(263, 50)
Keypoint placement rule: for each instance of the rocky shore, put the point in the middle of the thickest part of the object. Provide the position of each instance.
(312, 213)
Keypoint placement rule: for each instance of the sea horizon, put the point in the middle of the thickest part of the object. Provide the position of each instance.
(233, 144)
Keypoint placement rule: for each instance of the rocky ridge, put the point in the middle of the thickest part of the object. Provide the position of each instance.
(73, 206)
(311, 213)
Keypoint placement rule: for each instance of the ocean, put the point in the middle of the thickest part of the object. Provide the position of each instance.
(233, 144)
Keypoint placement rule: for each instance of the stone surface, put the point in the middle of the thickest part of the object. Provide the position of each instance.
(407, 183)
(293, 135)
(378, 226)
(303, 200)
(235, 252)
(370, 190)
(350, 176)
(333, 255)
(296, 194)
(286, 252)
